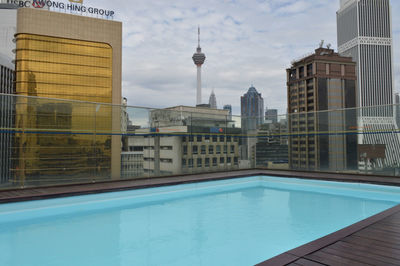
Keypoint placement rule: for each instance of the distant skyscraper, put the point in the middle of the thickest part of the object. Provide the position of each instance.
(364, 29)
(198, 59)
(213, 101)
(252, 109)
(271, 115)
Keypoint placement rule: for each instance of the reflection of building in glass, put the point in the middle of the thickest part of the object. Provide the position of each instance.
(186, 139)
(272, 146)
(320, 82)
(65, 56)
(365, 34)
(271, 116)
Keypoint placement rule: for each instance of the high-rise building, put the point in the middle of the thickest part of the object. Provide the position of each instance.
(364, 31)
(271, 116)
(198, 59)
(315, 84)
(252, 115)
(213, 101)
(68, 57)
(8, 22)
(252, 109)
(7, 105)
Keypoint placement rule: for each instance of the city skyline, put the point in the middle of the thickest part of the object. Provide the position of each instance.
(246, 42)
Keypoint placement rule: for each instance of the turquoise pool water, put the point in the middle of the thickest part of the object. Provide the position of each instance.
(233, 222)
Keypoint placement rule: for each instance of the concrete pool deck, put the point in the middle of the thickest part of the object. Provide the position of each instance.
(373, 241)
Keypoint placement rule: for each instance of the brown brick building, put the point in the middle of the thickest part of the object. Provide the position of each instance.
(319, 138)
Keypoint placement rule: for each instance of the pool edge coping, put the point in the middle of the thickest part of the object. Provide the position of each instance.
(39, 193)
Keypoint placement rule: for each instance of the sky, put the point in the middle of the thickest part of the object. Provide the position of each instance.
(246, 42)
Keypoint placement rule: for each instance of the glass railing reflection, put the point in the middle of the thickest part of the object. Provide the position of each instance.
(52, 142)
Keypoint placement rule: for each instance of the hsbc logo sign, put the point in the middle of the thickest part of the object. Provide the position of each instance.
(75, 6)
(38, 3)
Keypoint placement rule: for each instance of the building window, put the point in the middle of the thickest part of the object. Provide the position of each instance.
(221, 138)
(199, 138)
(225, 149)
(218, 149)
(191, 138)
(236, 160)
(221, 160)
(228, 160)
(207, 163)
(309, 70)
(190, 163)
(236, 139)
(214, 138)
(232, 148)
(207, 138)
(211, 149)
(228, 138)
(215, 160)
(199, 162)
(184, 138)
(195, 149)
(203, 149)
(185, 150)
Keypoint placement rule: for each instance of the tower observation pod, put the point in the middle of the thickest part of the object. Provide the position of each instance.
(198, 59)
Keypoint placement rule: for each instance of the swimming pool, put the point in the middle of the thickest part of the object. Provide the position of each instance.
(231, 222)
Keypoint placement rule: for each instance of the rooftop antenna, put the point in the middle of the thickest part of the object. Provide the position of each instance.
(198, 35)
(321, 44)
(328, 46)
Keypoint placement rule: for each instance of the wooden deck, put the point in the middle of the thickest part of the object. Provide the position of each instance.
(374, 241)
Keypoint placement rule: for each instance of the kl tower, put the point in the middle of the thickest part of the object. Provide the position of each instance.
(198, 59)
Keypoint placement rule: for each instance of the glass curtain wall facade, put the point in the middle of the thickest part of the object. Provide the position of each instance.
(61, 68)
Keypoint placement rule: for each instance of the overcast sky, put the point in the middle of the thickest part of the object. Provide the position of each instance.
(245, 41)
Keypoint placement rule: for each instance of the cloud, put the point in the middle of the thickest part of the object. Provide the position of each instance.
(245, 42)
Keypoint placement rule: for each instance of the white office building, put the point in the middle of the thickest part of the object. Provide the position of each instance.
(364, 31)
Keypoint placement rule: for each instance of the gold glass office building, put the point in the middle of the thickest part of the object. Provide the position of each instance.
(76, 62)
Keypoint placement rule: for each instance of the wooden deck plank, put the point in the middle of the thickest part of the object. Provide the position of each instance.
(305, 262)
(332, 260)
(368, 253)
(355, 256)
(377, 245)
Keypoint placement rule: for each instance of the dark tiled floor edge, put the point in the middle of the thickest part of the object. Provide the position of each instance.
(302, 251)
(15, 195)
